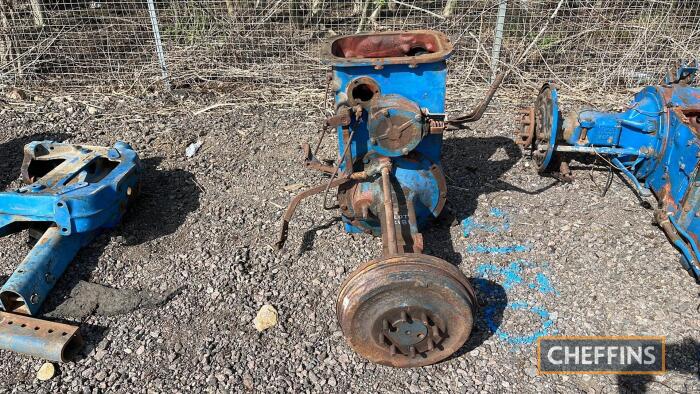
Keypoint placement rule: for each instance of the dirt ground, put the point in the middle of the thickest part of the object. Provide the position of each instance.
(192, 262)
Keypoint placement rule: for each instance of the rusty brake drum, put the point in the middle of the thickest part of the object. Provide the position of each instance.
(407, 310)
(539, 126)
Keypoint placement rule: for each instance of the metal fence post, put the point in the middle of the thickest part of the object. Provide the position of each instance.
(498, 37)
(159, 44)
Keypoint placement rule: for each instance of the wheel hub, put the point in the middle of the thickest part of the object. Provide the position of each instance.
(410, 334)
(407, 310)
(538, 127)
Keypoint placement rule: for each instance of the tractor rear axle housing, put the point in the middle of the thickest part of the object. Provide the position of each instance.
(654, 144)
(404, 309)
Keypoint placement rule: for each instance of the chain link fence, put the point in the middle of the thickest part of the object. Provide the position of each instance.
(152, 44)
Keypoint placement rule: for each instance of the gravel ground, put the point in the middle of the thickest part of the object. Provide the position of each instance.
(190, 266)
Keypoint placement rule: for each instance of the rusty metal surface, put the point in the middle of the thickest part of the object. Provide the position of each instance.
(292, 207)
(478, 111)
(404, 47)
(389, 230)
(396, 125)
(73, 192)
(356, 199)
(525, 134)
(363, 91)
(408, 310)
(39, 338)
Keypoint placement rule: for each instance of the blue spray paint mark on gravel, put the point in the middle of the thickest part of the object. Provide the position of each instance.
(544, 284)
(512, 277)
(470, 224)
(544, 329)
(511, 274)
(479, 248)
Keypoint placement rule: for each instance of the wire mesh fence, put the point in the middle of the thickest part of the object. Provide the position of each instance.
(113, 44)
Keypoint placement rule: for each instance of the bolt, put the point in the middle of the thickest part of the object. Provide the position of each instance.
(373, 141)
(418, 117)
(404, 151)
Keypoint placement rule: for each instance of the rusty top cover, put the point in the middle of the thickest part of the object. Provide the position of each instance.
(394, 47)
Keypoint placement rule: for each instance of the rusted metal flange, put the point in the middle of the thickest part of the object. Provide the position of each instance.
(526, 127)
(408, 310)
(538, 127)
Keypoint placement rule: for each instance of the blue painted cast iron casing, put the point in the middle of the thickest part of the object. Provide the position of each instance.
(656, 144)
(424, 85)
(412, 81)
(73, 192)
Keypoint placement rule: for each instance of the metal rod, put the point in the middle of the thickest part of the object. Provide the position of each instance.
(159, 44)
(601, 150)
(498, 39)
(643, 191)
(388, 210)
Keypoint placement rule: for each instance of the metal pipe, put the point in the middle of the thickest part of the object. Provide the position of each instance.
(390, 229)
(39, 338)
(498, 38)
(27, 288)
(601, 150)
(643, 191)
(159, 44)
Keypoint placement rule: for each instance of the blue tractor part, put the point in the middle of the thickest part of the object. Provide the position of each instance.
(404, 309)
(654, 143)
(72, 193)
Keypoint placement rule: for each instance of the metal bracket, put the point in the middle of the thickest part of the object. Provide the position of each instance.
(38, 338)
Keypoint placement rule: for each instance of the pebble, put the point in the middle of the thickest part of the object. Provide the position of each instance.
(46, 372)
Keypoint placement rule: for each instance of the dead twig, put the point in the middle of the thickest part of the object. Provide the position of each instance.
(214, 106)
